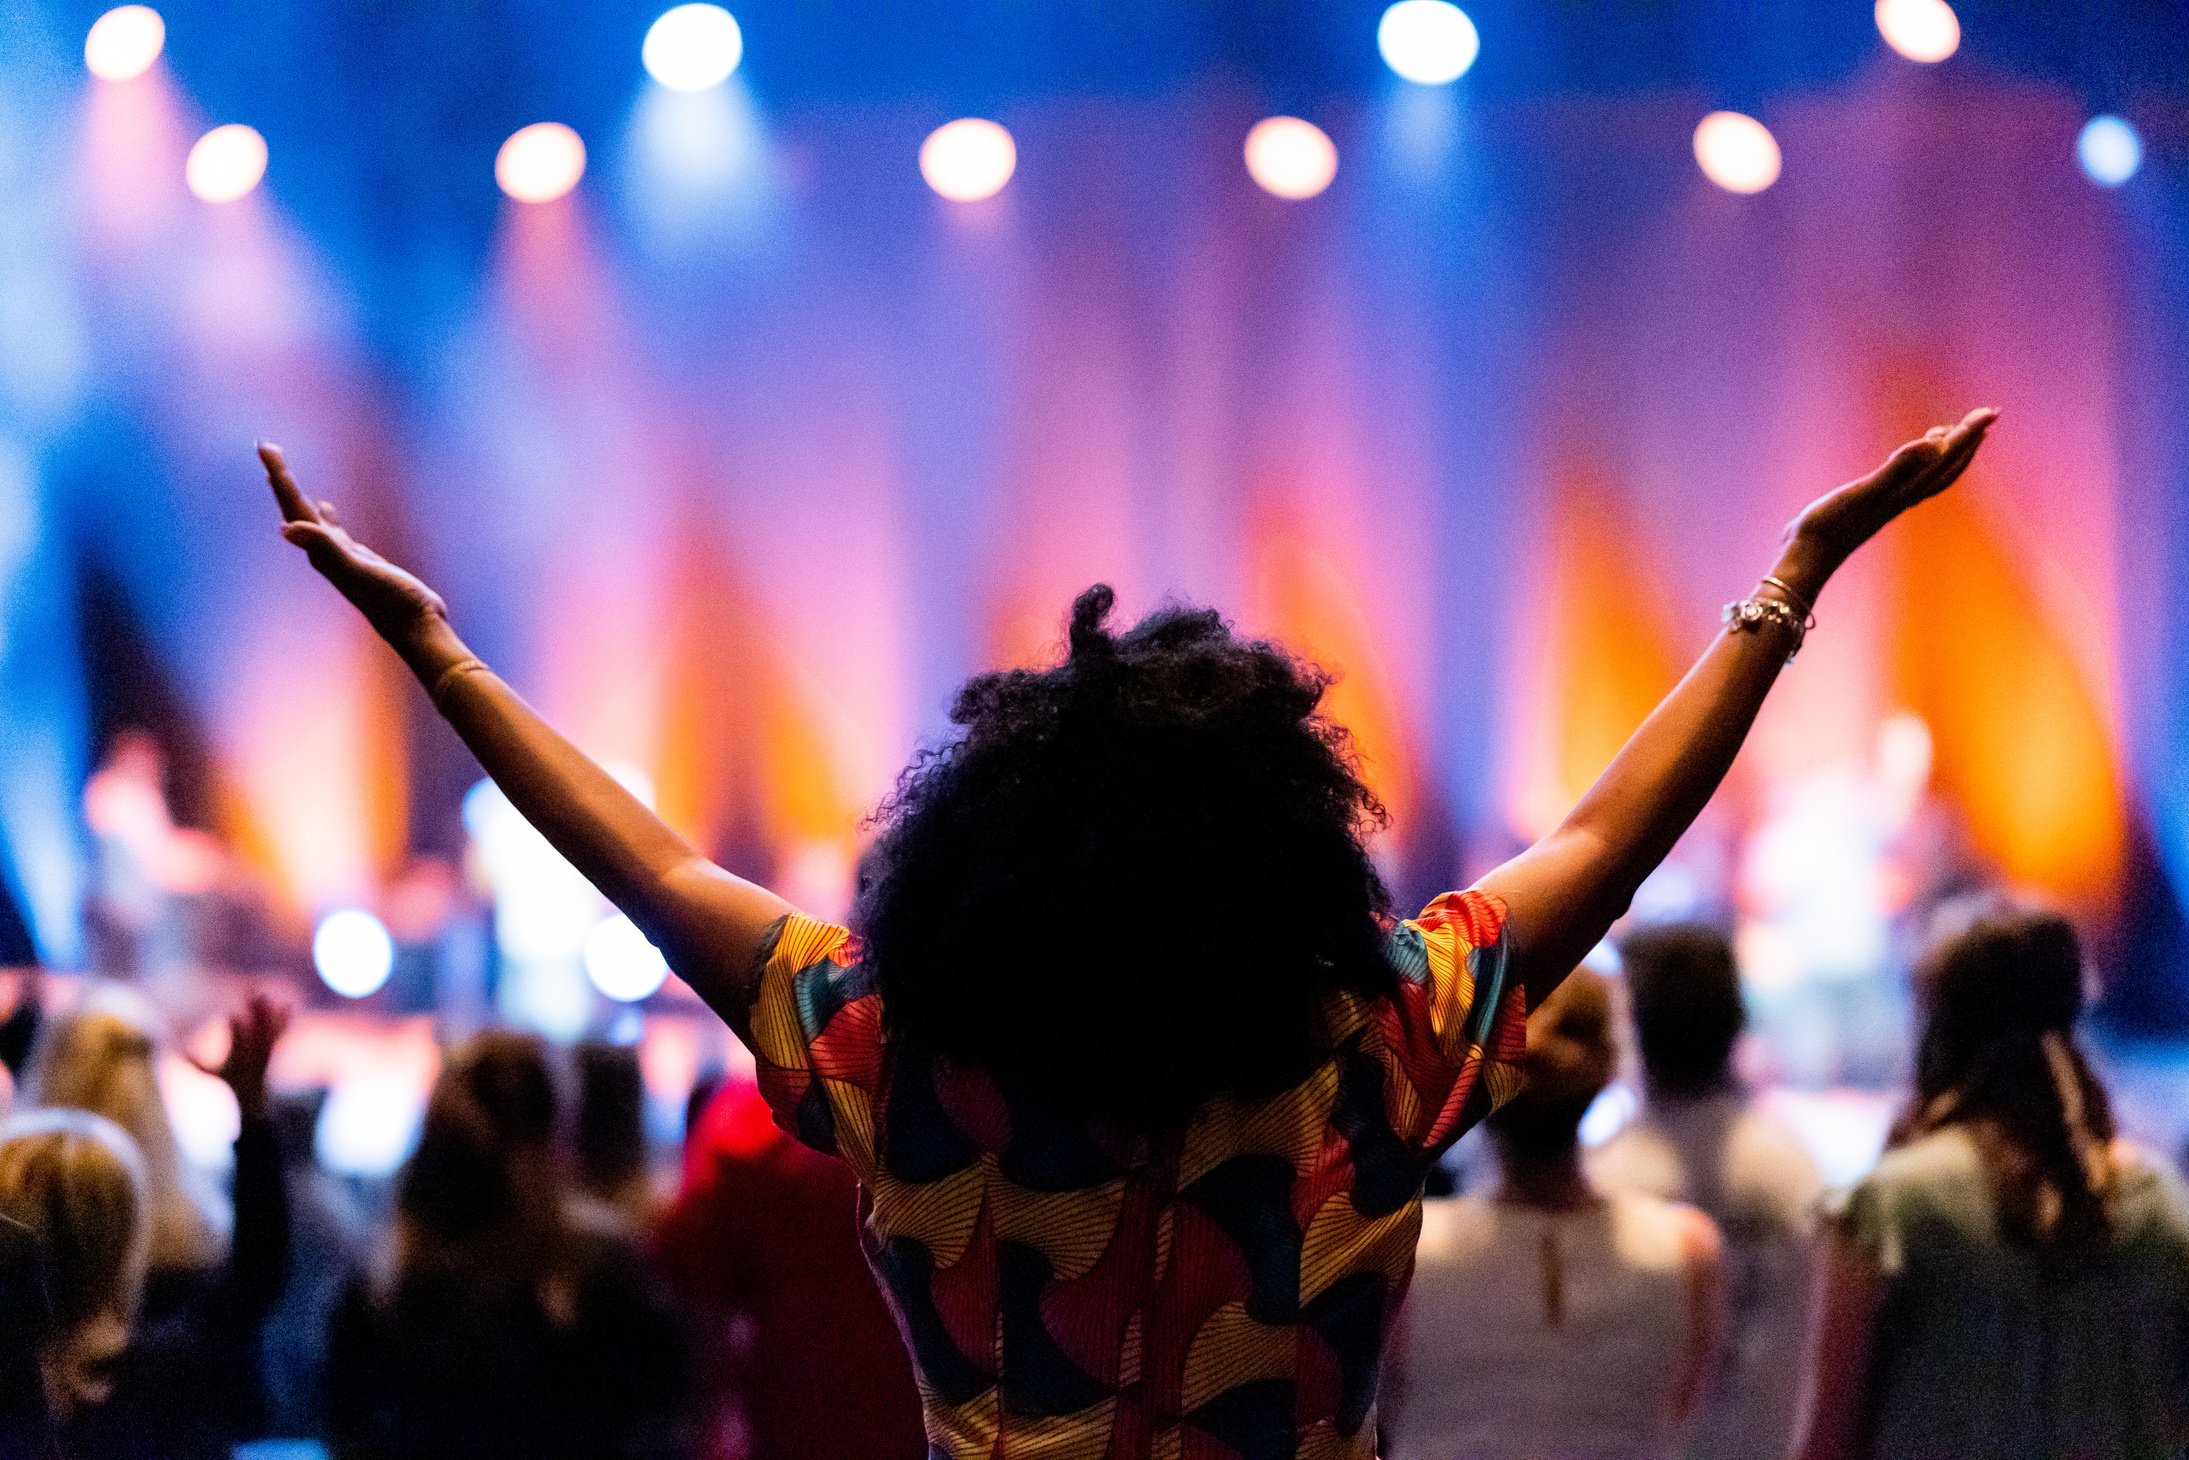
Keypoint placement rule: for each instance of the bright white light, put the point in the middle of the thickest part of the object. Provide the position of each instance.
(225, 163)
(2109, 150)
(368, 1125)
(1921, 30)
(124, 42)
(693, 47)
(968, 159)
(1291, 158)
(1737, 152)
(540, 163)
(621, 963)
(353, 952)
(1428, 42)
(1608, 1114)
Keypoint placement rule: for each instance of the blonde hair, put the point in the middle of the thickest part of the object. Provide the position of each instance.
(74, 1179)
(100, 1059)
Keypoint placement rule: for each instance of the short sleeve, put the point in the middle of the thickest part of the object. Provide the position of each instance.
(817, 1038)
(1456, 1030)
(1867, 1225)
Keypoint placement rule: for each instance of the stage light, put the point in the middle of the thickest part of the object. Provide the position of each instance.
(1428, 42)
(2109, 150)
(1291, 158)
(225, 163)
(968, 159)
(353, 952)
(693, 47)
(621, 963)
(540, 163)
(124, 42)
(1736, 152)
(1921, 30)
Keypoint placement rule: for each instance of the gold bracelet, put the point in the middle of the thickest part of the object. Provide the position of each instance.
(451, 674)
(1808, 609)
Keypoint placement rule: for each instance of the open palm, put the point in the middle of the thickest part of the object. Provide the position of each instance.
(394, 601)
(1841, 521)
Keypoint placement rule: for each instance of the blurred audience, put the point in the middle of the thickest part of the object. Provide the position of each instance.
(1555, 1318)
(1699, 1139)
(609, 1135)
(503, 1320)
(802, 1357)
(189, 1383)
(330, 1239)
(73, 1240)
(2012, 1280)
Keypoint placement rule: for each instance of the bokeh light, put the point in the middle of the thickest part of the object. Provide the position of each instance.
(1429, 42)
(620, 961)
(1921, 30)
(1737, 152)
(225, 163)
(1290, 158)
(540, 163)
(124, 42)
(693, 47)
(2109, 150)
(353, 952)
(968, 159)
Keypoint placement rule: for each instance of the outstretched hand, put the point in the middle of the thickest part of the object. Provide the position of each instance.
(395, 602)
(253, 1031)
(1836, 524)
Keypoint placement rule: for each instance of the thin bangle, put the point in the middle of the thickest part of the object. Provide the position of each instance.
(1808, 609)
(453, 673)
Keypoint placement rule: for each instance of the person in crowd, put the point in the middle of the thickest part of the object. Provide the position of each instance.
(73, 1241)
(1139, 1077)
(609, 1134)
(330, 1237)
(762, 1241)
(501, 1322)
(1607, 1302)
(189, 1383)
(1699, 1139)
(2012, 1280)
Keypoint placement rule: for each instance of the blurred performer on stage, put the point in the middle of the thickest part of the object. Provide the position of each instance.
(1139, 1077)
(1700, 1139)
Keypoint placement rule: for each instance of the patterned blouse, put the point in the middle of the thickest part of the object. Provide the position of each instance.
(1072, 1292)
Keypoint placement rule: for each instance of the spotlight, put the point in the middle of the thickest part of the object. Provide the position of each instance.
(621, 963)
(968, 159)
(353, 952)
(693, 47)
(225, 163)
(1736, 152)
(124, 42)
(1921, 30)
(2109, 150)
(1291, 158)
(1428, 42)
(540, 163)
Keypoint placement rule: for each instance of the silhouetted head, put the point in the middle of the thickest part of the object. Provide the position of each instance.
(1685, 991)
(1998, 1056)
(484, 1168)
(609, 1134)
(1572, 1053)
(1130, 881)
(73, 1182)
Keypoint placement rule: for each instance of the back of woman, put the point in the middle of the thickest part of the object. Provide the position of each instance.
(2012, 1280)
(2082, 1353)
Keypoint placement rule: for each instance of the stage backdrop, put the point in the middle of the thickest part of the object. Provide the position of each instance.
(743, 455)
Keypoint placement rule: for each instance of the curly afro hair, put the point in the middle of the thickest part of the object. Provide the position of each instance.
(1131, 881)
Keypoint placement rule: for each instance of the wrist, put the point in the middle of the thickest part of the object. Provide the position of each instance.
(1805, 566)
(430, 647)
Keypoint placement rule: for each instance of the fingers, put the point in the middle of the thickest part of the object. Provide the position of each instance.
(294, 506)
(327, 514)
(1960, 448)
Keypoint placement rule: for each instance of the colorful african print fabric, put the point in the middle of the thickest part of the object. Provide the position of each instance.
(1221, 1292)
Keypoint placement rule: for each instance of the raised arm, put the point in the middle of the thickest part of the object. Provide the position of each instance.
(708, 923)
(1565, 892)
